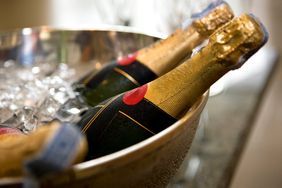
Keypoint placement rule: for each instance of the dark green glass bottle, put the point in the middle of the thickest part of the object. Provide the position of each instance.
(135, 115)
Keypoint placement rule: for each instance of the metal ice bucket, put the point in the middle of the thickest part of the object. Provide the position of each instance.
(150, 163)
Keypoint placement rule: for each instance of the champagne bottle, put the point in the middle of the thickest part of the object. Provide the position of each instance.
(153, 61)
(140, 113)
(49, 149)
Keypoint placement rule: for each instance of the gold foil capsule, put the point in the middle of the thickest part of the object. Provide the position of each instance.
(240, 36)
(208, 23)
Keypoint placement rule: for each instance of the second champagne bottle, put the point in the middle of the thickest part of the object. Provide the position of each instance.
(153, 61)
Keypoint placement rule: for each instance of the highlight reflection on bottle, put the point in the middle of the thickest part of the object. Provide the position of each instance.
(131, 117)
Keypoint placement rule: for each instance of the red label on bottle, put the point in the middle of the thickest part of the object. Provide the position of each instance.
(8, 130)
(128, 59)
(135, 96)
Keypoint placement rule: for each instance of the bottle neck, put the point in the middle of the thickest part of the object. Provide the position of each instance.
(166, 54)
(180, 88)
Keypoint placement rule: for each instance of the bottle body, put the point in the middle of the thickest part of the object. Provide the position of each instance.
(132, 123)
(142, 112)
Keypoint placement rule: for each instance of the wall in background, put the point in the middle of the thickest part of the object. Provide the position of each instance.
(24, 13)
(146, 15)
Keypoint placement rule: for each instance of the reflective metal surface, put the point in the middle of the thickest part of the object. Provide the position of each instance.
(151, 163)
(42, 45)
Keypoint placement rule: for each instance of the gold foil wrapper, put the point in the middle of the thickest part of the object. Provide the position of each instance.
(233, 42)
(228, 48)
(164, 55)
(17, 149)
(213, 20)
(167, 54)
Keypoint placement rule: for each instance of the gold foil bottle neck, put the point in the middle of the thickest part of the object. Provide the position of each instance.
(208, 23)
(228, 48)
(234, 42)
(167, 54)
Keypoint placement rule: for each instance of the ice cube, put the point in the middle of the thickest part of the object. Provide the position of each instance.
(71, 110)
(23, 119)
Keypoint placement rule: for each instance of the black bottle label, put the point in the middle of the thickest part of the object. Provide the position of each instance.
(121, 122)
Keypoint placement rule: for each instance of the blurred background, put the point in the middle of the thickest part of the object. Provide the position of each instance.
(147, 15)
(260, 164)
